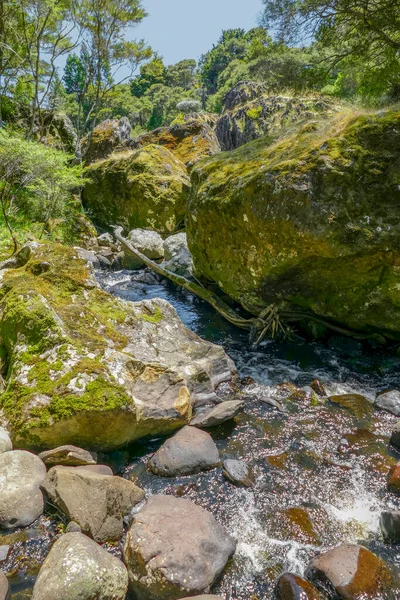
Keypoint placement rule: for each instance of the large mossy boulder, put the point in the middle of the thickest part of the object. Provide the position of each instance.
(250, 111)
(87, 369)
(190, 141)
(308, 222)
(106, 137)
(145, 188)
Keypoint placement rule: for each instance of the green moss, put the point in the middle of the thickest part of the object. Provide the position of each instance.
(154, 318)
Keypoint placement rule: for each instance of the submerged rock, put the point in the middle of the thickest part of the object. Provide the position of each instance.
(353, 572)
(96, 502)
(359, 405)
(177, 256)
(89, 370)
(78, 569)
(71, 456)
(225, 411)
(308, 223)
(175, 548)
(145, 188)
(188, 451)
(237, 472)
(294, 587)
(389, 401)
(390, 526)
(21, 475)
(5, 441)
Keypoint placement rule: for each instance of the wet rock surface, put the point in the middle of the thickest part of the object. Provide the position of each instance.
(293, 587)
(173, 548)
(390, 526)
(71, 456)
(218, 414)
(237, 472)
(389, 401)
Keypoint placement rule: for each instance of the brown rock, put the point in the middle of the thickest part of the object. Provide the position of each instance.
(294, 587)
(359, 405)
(70, 456)
(3, 586)
(394, 479)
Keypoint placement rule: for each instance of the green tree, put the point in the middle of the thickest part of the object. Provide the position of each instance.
(151, 73)
(182, 74)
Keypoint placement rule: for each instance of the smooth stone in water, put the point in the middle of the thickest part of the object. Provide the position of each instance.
(395, 437)
(21, 474)
(293, 587)
(237, 472)
(5, 441)
(3, 586)
(70, 456)
(174, 549)
(79, 569)
(390, 526)
(96, 502)
(353, 572)
(191, 450)
(394, 479)
(389, 401)
(359, 405)
(218, 414)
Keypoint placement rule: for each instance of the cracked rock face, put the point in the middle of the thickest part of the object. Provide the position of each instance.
(89, 370)
(79, 569)
(175, 548)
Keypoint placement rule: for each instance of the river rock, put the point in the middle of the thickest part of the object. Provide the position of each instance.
(395, 437)
(293, 587)
(3, 586)
(390, 526)
(389, 401)
(89, 256)
(237, 472)
(149, 243)
(100, 469)
(260, 228)
(106, 240)
(5, 441)
(394, 479)
(71, 456)
(225, 411)
(106, 137)
(353, 572)
(21, 474)
(188, 451)
(189, 141)
(359, 405)
(177, 256)
(175, 548)
(96, 502)
(90, 370)
(78, 569)
(145, 188)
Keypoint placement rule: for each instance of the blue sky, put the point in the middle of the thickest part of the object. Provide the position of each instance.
(179, 29)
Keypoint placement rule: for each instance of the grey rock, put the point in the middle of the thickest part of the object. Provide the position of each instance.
(390, 526)
(389, 401)
(70, 456)
(174, 548)
(78, 569)
(89, 256)
(96, 502)
(352, 571)
(149, 243)
(3, 586)
(237, 472)
(105, 239)
(218, 414)
(73, 527)
(100, 469)
(188, 451)
(177, 255)
(21, 474)
(395, 437)
(104, 262)
(4, 551)
(5, 441)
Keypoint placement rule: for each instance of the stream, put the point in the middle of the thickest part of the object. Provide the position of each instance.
(319, 469)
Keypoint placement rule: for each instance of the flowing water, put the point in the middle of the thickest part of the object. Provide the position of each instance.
(319, 469)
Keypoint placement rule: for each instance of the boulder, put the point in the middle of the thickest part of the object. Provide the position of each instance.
(189, 141)
(394, 479)
(390, 526)
(352, 572)
(21, 474)
(250, 112)
(174, 548)
(107, 137)
(225, 411)
(96, 502)
(177, 256)
(307, 224)
(145, 188)
(149, 243)
(3, 586)
(100, 469)
(395, 437)
(59, 131)
(90, 370)
(359, 405)
(293, 587)
(78, 569)
(71, 456)
(188, 451)
(237, 472)
(389, 401)
(105, 239)
(5, 441)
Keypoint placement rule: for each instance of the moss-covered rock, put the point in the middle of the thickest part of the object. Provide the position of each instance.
(87, 369)
(145, 188)
(250, 112)
(106, 137)
(190, 141)
(308, 221)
